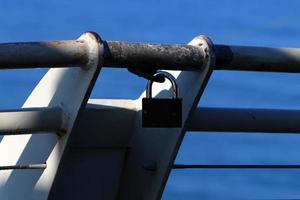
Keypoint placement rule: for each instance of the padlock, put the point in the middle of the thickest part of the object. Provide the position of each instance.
(162, 112)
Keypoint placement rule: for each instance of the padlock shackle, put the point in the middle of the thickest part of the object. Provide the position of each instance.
(166, 75)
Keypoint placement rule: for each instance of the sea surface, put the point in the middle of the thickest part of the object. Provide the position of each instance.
(273, 23)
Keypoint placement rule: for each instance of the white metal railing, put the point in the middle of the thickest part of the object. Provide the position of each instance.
(62, 94)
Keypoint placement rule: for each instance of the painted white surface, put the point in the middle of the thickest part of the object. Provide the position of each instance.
(159, 146)
(63, 87)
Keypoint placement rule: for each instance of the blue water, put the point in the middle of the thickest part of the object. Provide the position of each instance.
(265, 23)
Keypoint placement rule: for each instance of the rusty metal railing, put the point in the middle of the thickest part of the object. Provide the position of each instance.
(145, 56)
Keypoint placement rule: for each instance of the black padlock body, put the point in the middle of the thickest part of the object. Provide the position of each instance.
(162, 113)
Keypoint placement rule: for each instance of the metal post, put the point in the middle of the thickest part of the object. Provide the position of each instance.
(153, 151)
(67, 88)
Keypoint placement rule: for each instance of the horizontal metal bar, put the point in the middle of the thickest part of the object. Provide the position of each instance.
(239, 166)
(43, 54)
(148, 56)
(257, 58)
(160, 56)
(245, 120)
(26, 166)
(30, 120)
(185, 57)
